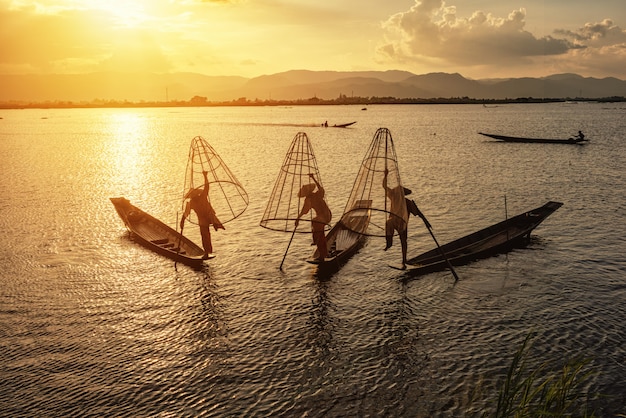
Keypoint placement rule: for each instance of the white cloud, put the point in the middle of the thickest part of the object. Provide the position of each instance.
(431, 30)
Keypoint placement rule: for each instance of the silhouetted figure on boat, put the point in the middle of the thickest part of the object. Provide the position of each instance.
(580, 136)
(398, 220)
(314, 199)
(199, 203)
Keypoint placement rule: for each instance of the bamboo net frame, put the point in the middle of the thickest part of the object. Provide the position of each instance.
(226, 194)
(368, 186)
(284, 204)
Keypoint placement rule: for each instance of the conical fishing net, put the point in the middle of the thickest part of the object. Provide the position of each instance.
(285, 204)
(386, 204)
(226, 195)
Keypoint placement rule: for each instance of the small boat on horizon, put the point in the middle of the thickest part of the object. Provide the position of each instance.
(340, 125)
(572, 140)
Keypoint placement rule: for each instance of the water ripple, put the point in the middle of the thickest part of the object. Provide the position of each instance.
(93, 324)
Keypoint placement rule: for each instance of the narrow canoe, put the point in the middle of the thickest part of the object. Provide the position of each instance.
(505, 138)
(345, 238)
(342, 125)
(495, 239)
(157, 236)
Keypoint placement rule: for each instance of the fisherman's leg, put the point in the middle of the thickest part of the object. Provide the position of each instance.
(388, 234)
(320, 239)
(404, 243)
(315, 227)
(206, 240)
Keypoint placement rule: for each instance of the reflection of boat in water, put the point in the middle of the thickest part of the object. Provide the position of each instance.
(345, 238)
(157, 236)
(341, 125)
(505, 138)
(495, 239)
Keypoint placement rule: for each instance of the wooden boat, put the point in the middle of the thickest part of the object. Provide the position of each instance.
(340, 125)
(498, 238)
(157, 236)
(344, 125)
(505, 138)
(344, 238)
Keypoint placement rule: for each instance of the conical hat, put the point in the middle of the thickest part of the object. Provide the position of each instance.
(306, 190)
(193, 193)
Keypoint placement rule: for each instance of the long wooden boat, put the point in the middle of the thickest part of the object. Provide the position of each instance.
(495, 239)
(157, 236)
(574, 140)
(340, 125)
(345, 238)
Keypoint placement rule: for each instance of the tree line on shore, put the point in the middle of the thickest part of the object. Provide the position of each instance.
(199, 101)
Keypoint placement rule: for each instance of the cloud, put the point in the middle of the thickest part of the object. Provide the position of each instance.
(598, 34)
(603, 49)
(431, 31)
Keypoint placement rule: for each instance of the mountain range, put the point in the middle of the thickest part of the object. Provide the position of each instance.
(294, 85)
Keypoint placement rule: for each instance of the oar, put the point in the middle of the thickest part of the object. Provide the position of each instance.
(179, 239)
(288, 245)
(443, 254)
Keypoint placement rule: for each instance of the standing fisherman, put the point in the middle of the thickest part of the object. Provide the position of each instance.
(199, 202)
(399, 218)
(315, 200)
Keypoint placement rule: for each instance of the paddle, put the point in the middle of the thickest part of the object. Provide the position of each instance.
(178, 246)
(288, 245)
(443, 254)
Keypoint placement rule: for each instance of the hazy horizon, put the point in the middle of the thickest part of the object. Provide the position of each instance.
(251, 77)
(296, 85)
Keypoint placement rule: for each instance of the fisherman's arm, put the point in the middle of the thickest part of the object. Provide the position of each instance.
(385, 180)
(185, 214)
(206, 182)
(306, 207)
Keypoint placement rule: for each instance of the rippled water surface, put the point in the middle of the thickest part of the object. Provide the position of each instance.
(93, 324)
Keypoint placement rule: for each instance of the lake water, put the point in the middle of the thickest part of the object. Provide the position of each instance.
(92, 324)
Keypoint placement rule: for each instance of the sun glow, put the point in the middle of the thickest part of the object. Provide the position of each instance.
(127, 13)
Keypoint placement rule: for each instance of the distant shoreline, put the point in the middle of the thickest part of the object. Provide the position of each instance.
(362, 101)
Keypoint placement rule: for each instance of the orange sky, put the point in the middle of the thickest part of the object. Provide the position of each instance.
(476, 38)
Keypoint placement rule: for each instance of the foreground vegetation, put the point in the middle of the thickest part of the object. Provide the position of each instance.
(543, 392)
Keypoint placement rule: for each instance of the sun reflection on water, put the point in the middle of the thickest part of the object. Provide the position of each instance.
(129, 149)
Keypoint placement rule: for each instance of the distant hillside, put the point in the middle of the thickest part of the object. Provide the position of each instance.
(107, 86)
(296, 84)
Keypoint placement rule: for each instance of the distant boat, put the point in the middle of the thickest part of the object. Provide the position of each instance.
(574, 140)
(495, 239)
(341, 125)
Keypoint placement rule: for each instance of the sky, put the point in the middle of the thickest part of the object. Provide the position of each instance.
(475, 38)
